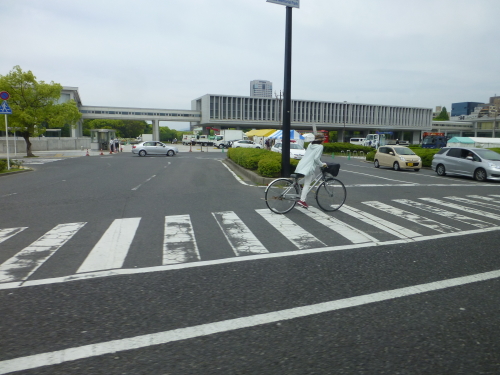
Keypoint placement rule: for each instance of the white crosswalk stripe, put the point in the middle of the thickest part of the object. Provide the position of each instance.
(7, 233)
(407, 215)
(180, 245)
(291, 231)
(241, 239)
(474, 203)
(28, 260)
(112, 248)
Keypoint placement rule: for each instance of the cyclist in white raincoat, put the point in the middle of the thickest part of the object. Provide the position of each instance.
(307, 165)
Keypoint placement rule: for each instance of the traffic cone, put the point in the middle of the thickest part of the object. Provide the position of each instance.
(110, 151)
(101, 152)
(87, 153)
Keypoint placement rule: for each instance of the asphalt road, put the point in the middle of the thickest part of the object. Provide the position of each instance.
(92, 279)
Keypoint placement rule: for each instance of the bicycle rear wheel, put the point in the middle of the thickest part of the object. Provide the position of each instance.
(331, 194)
(281, 195)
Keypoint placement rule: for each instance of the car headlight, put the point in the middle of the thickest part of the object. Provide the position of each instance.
(493, 165)
(402, 158)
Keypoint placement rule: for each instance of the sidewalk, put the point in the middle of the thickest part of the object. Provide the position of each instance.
(78, 153)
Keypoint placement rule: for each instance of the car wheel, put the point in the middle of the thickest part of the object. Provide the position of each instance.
(142, 153)
(396, 166)
(376, 164)
(170, 153)
(221, 146)
(416, 169)
(480, 175)
(441, 170)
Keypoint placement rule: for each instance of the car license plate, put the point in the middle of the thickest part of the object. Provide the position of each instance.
(410, 164)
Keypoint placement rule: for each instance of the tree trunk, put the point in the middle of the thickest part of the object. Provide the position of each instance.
(26, 137)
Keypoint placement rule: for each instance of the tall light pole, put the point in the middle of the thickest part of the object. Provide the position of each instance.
(285, 148)
(345, 110)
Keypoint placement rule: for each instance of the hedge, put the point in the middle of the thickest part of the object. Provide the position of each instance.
(264, 162)
(16, 164)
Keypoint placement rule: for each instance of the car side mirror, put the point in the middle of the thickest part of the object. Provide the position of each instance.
(391, 153)
(469, 158)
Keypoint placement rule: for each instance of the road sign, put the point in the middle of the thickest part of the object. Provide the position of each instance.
(5, 109)
(288, 3)
(4, 95)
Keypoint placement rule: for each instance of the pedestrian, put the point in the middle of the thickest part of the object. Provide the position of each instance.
(397, 141)
(117, 145)
(111, 145)
(307, 165)
(267, 144)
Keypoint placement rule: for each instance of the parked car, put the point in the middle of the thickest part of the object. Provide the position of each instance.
(479, 163)
(397, 157)
(357, 141)
(296, 150)
(154, 148)
(247, 144)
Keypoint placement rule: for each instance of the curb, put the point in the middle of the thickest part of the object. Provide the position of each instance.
(247, 174)
(16, 172)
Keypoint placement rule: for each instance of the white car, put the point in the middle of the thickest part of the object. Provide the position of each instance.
(154, 148)
(296, 150)
(246, 144)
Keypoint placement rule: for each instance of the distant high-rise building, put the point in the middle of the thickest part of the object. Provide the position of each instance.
(464, 108)
(261, 89)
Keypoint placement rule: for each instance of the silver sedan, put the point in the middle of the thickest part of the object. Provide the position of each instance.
(154, 148)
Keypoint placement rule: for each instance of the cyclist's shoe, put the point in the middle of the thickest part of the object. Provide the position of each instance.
(303, 204)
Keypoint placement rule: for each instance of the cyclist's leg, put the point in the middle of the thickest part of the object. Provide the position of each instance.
(305, 189)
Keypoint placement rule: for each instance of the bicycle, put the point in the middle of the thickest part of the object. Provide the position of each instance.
(282, 194)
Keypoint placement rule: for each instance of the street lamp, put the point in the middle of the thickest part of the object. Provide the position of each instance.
(343, 133)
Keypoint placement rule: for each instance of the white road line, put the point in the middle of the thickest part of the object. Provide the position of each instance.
(352, 234)
(470, 210)
(179, 243)
(383, 178)
(24, 263)
(241, 239)
(234, 174)
(291, 231)
(469, 201)
(149, 179)
(207, 329)
(429, 223)
(449, 214)
(7, 233)
(387, 226)
(488, 199)
(112, 248)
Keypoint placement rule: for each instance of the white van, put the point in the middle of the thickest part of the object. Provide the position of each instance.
(357, 141)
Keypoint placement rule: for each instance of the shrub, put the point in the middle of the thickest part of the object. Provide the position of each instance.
(370, 156)
(265, 163)
(3, 165)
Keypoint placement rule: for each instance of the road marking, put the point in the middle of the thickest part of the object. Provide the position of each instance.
(149, 179)
(345, 230)
(462, 208)
(429, 223)
(208, 329)
(469, 201)
(234, 174)
(179, 243)
(383, 178)
(488, 199)
(387, 226)
(112, 248)
(28, 260)
(291, 231)
(7, 233)
(241, 239)
(451, 215)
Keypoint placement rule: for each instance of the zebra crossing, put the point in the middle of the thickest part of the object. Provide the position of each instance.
(39, 161)
(375, 223)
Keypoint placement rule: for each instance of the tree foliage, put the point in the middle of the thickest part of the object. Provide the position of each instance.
(443, 115)
(35, 105)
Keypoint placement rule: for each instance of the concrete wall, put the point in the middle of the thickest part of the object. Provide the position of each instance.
(45, 144)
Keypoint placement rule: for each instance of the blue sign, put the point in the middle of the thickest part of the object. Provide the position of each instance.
(5, 109)
(288, 3)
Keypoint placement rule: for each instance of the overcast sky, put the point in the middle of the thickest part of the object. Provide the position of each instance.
(164, 53)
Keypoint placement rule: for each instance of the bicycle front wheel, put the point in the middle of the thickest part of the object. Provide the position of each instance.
(281, 195)
(331, 194)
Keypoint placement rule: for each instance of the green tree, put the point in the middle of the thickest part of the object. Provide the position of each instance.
(443, 115)
(34, 105)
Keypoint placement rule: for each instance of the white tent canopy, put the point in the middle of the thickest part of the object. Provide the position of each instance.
(278, 134)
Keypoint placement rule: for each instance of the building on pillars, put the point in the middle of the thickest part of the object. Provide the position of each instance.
(225, 111)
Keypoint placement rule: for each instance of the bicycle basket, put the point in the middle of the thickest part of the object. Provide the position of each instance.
(332, 168)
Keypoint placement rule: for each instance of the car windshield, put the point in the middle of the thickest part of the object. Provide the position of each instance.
(488, 154)
(404, 151)
(296, 146)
